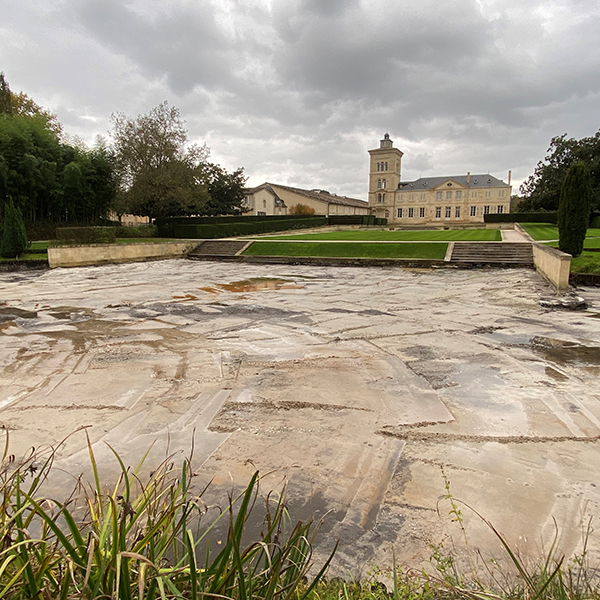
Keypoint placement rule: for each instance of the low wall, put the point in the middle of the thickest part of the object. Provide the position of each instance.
(553, 264)
(95, 254)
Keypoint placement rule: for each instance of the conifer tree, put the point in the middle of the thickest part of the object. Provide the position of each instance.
(5, 97)
(14, 237)
(574, 209)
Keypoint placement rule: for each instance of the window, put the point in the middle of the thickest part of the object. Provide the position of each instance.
(473, 211)
(411, 213)
(448, 212)
(422, 212)
(378, 183)
(501, 193)
(378, 166)
(383, 183)
(486, 210)
(380, 197)
(387, 214)
(488, 193)
(438, 212)
(474, 194)
(399, 213)
(386, 166)
(438, 195)
(500, 209)
(246, 200)
(260, 212)
(457, 212)
(458, 194)
(264, 204)
(448, 195)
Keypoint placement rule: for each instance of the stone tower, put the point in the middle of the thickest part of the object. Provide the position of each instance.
(384, 174)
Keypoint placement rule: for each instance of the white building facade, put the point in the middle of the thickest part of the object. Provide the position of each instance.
(452, 200)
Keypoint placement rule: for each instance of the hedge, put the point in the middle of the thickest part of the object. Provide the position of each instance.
(537, 217)
(87, 235)
(355, 220)
(166, 225)
(218, 230)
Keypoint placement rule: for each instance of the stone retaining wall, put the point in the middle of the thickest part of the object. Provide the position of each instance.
(94, 254)
(553, 264)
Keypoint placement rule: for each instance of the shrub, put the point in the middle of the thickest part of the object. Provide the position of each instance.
(244, 228)
(302, 209)
(14, 236)
(143, 231)
(536, 217)
(86, 235)
(574, 209)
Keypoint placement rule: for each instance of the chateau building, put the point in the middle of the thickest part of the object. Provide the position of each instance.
(453, 200)
(275, 199)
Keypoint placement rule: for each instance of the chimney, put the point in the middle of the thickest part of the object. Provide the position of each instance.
(509, 175)
(468, 177)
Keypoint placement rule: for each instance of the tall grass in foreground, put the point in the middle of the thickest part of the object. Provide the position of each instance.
(145, 538)
(141, 539)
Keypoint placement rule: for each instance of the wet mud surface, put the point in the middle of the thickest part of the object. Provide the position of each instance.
(364, 389)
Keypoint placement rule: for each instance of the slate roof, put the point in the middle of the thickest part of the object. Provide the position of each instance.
(266, 186)
(476, 181)
(323, 196)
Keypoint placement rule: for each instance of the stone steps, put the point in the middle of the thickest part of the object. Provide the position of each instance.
(218, 248)
(492, 253)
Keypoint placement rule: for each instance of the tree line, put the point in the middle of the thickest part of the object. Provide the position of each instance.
(147, 167)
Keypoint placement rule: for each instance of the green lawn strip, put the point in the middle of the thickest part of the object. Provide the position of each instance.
(450, 235)
(42, 257)
(588, 243)
(547, 231)
(433, 251)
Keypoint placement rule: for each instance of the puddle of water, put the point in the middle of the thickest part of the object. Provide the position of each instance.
(566, 353)
(254, 284)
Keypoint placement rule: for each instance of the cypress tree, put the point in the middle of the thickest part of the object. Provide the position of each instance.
(5, 97)
(574, 209)
(14, 236)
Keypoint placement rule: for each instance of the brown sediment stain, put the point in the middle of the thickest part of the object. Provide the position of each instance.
(429, 436)
(67, 407)
(292, 405)
(254, 284)
(185, 297)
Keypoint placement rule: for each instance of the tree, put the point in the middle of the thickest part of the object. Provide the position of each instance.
(14, 237)
(225, 190)
(302, 209)
(574, 209)
(5, 97)
(160, 175)
(542, 190)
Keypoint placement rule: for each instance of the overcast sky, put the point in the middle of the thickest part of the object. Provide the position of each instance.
(297, 91)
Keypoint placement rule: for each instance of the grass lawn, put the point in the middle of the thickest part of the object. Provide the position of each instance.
(434, 235)
(431, 251)
(547, 231)
(586, 262)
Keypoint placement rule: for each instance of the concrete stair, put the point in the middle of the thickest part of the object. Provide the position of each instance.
(492, 253)
(218, 248)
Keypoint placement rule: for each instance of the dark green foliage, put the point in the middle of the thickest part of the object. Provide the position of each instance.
(14, 238)
(225, 191)
(5, 97)
(87, 235)
(542, 190)
(595, 222)
(574, 209)
(143, 231)
(533, 217)
(218, 230)
(356, 220)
